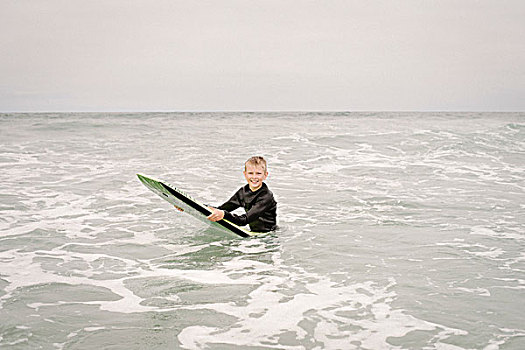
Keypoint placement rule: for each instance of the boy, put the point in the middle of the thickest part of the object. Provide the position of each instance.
(255, 197)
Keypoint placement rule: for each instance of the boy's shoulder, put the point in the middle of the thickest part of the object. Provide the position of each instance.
(265, 191)
(266, 188)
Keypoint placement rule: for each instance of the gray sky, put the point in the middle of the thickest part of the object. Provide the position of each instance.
(122, 55)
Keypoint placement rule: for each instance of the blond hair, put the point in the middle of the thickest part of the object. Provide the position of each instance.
(256, 161)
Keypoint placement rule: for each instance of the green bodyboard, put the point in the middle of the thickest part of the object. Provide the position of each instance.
(186, 204)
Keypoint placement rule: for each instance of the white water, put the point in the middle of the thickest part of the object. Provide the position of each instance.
(398, 231)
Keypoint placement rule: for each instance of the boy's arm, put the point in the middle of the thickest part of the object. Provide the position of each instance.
(251, 215)
(231, 204)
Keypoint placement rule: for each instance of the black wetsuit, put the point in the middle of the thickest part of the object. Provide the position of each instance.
(260, 207)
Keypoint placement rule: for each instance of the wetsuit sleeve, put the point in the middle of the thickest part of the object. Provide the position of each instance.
(262, 205)
(231, 204)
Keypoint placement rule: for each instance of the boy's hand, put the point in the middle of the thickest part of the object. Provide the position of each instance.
(216, 214)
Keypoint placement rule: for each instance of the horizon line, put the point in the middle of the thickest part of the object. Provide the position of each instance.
(261, 111)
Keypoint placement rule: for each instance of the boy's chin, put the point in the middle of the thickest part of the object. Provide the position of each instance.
(255, 186)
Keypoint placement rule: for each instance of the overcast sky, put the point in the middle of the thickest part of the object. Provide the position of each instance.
(168, 55)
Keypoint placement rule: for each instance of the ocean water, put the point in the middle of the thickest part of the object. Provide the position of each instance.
(397, 231)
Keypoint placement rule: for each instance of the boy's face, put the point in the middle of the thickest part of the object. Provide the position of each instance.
(255, 175)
